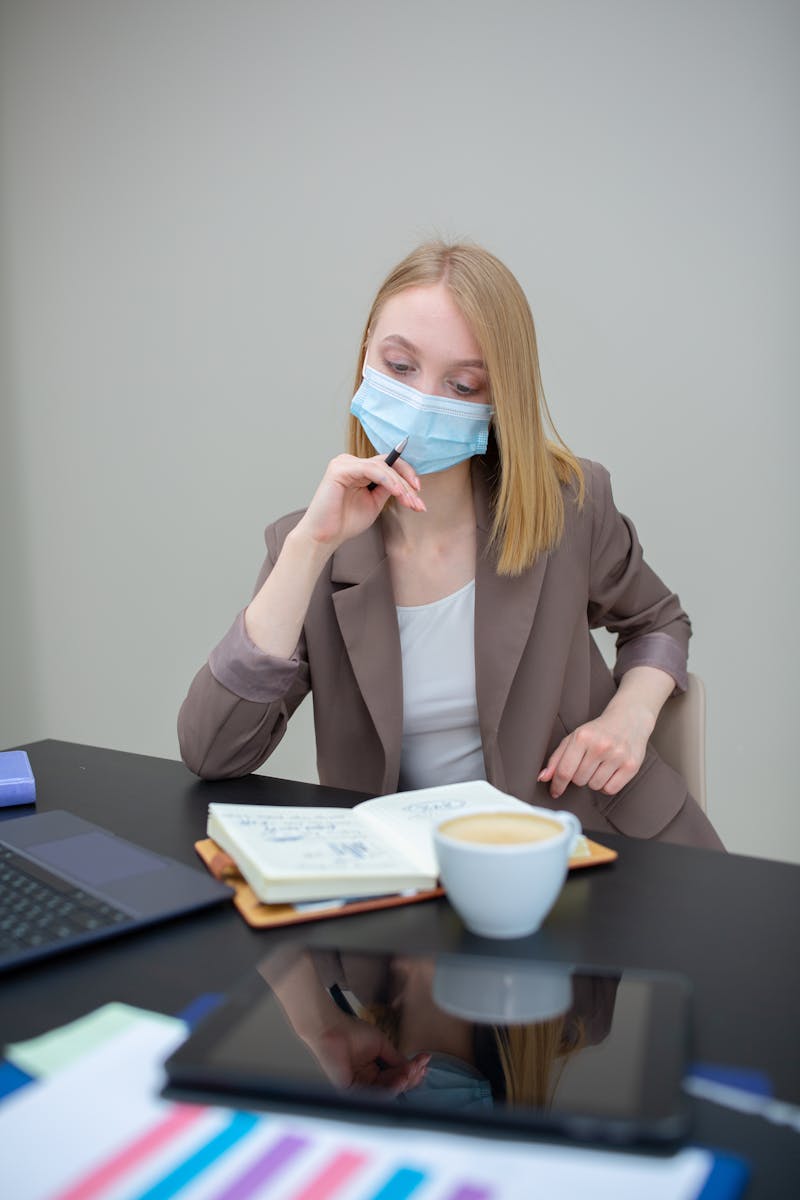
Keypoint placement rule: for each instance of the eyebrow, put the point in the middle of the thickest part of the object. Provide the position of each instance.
(464, 362)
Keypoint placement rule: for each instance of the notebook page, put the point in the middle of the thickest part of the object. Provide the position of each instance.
(307, 843)
(411, 817)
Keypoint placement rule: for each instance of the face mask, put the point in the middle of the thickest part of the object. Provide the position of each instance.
(440, 432)
(450, 1084)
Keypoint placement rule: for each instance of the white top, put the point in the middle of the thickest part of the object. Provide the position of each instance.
(441, 738)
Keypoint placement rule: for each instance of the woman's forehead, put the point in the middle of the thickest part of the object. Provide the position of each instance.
(426, 317)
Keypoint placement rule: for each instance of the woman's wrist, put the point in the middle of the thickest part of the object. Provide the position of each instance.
(641, 695)
(305, 550)
(637, 714)
(274, 617)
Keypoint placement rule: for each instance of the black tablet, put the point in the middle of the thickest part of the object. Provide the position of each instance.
(474, 1042)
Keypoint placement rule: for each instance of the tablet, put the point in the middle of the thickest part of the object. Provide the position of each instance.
(463, 1041)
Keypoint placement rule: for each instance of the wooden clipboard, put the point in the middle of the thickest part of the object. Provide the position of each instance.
(270, 916)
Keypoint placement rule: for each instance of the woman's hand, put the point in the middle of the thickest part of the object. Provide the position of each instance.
(351, 1051)
(343, 506)
(354, 1053)
(606, 753)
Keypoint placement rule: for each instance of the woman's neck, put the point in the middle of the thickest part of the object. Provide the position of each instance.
(450, 511)
(432, 554)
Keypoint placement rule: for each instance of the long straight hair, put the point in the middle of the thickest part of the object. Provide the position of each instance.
(532, 468)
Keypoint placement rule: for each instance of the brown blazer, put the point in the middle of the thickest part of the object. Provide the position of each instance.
(539, 673)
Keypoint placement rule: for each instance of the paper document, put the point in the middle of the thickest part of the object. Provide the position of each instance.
(110, 1137)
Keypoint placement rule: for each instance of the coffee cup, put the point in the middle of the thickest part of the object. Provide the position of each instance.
(503, 871)
(492, 991)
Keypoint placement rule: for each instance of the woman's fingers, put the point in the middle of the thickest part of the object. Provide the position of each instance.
(562, 766)
(411, 1075)
(591, 757)
(602, 776)
(399, 480)
(343, 506)
(407, 471)
(616, 782)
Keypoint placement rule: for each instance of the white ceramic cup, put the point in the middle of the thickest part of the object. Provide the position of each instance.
(505, 889)
(491, 991)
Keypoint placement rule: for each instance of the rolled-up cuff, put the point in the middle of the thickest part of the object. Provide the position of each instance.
(654, 650)
(239, 665)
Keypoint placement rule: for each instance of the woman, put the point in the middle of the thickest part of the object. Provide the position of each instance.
(441, 618)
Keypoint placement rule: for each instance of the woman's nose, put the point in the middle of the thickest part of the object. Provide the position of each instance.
(428, 383)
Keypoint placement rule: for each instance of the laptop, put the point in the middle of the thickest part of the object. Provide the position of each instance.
(66, 882)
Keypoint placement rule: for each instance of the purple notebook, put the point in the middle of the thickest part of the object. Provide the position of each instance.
(17, 785)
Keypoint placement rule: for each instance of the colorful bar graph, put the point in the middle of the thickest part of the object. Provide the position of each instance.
(336, 1179)
(93, 1184)
(265, 1169)
(401, 1185)
(470, 1191)
(333, 1177)
(237, 1128)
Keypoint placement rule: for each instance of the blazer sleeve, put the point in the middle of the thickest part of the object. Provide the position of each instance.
(627, 597)
(240, 701)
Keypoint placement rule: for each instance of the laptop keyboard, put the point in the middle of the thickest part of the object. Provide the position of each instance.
(39, 909)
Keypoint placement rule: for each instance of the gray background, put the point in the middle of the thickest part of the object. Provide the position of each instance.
(198, 202)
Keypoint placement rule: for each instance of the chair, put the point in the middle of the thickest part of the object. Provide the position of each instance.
(680, 737)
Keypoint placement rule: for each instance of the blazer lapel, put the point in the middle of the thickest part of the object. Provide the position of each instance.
(367, 618)
(505, 607)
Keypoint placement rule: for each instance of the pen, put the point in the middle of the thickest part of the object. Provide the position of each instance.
(391, 457)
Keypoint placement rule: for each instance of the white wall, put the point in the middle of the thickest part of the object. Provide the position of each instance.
(198, 202)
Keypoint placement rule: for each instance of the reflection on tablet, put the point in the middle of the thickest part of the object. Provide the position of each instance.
(466, 1039)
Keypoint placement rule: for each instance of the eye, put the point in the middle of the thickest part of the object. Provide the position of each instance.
(462, 389)
(399, 368)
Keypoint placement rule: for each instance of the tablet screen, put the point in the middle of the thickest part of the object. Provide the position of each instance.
(454, 1039)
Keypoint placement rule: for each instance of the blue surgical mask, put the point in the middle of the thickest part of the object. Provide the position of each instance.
(450, 1084)
(440, 432)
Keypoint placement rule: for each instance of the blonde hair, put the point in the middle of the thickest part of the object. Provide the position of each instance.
(530, 1058)
(528, 1055)
(532, 469)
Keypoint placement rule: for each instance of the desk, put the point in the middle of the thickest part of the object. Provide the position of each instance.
(728, 922)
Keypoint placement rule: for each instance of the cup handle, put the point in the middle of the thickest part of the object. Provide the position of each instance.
(577, 829)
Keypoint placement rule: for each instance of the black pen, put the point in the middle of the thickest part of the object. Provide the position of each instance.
(391, 457)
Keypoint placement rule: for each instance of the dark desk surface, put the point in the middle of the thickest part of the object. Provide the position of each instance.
(728, 922)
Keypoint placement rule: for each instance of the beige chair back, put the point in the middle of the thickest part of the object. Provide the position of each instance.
(680, 737)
